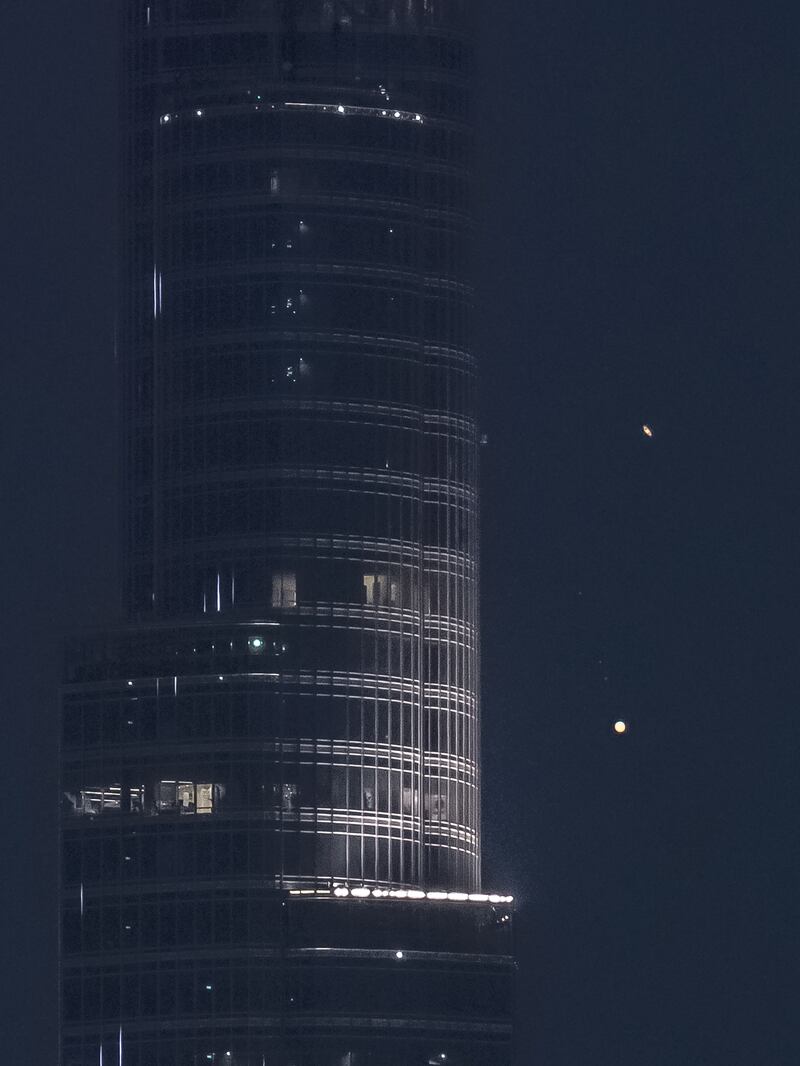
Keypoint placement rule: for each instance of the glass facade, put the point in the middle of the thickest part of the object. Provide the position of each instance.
(291, 702)
(231, 978)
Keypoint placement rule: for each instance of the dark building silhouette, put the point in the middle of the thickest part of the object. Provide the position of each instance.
(271, 827)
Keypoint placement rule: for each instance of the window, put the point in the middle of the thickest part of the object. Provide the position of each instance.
(107, 798)
(287, 797)
(166, 795)
(284, 589)
(380, 590)
(188, 797)
(436, 805)
(205, 799)
(369, 799)
(185, 792)
(410, 801)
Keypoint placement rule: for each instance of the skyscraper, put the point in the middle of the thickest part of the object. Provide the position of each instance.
(271, 826)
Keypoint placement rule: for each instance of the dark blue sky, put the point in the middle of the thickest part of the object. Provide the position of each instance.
(638, 263)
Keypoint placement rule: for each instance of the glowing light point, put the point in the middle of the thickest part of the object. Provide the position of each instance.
(620, 727)
(647, 430)
(399, 955)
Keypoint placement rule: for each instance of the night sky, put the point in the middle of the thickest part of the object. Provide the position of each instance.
(638, 264)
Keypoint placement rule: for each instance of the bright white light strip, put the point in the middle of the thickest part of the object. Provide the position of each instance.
(341, 891)
(331, 109)
(353, 109)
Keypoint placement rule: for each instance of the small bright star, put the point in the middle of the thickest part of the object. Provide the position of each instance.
(620, 727)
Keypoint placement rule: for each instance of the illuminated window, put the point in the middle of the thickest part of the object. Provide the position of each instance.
(94, 801)
(186, 802)
(188, 797)
(369, 799)
(380, 590)
(97, 800)
(205, 799)
(436, 805)
(284, 589)
(166, 795)
(287, 796)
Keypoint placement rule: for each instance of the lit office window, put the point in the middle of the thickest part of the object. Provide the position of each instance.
(284, 589)
(380, 590)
